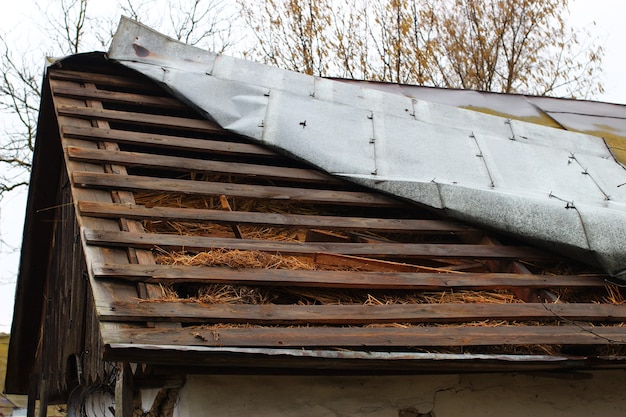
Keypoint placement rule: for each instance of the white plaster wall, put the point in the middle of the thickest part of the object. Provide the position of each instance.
(482, 395)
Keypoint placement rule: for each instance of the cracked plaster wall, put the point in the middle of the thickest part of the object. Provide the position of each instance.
(511, 395)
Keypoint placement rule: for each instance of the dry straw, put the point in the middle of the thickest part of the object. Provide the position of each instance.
(246, 259)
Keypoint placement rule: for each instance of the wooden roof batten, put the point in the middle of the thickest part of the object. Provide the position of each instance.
(269, 181)
(156, 187)
(263, 182)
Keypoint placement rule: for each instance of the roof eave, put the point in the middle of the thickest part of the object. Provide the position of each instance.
(264, 360)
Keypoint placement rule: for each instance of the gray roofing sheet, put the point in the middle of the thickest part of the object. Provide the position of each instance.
(576, 115)
(555, 187)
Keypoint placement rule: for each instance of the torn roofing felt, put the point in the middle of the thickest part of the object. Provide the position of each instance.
(561, 189)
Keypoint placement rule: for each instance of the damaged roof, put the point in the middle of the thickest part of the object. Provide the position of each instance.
(558, 188)
(155, 234)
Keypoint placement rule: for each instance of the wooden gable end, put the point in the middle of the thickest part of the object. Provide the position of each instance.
(205, 249)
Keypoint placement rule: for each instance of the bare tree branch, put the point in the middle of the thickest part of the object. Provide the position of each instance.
(19, 98)
(68, 28)
(514, 46)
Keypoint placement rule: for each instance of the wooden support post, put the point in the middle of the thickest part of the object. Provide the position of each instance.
(124, 391)
(43, 398)
(32, 395)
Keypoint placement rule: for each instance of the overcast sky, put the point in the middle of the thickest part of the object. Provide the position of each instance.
(609, 27)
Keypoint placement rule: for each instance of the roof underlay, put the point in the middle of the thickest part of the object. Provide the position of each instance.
(550, 186)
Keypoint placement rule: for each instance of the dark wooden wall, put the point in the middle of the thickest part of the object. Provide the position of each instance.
(70, 347)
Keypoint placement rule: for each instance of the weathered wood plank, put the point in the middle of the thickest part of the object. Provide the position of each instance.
(282, 361)
(202, 243)
(137, 159)
(124, 391)
(109, 80)
(302, 195)
(144, 119)
(339, 279)
(101, 290)
(125, 197)
(119, 97)
(356, 314)
(88, 208)
(154, 140)
(364, 337)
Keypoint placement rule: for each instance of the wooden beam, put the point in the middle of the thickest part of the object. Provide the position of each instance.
(302, 195)
(144, 119)
(414, 250)
(270, 314)
(124, 388)
(43, 398)
(118, 81)
(33, 393)
(153, 140)
(370, 337)
(123, 197)
(97, 209)
(100, 289)
(339, 279)
(105, 96)
(176, 163)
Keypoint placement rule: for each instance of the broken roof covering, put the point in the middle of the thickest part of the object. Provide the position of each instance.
(147, 177)
(554, 187)
(592, 117)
